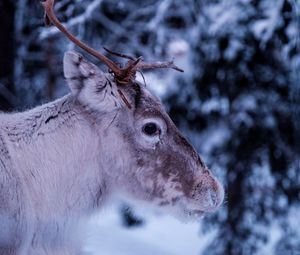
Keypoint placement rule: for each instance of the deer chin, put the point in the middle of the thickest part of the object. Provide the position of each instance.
(191, 213)
(187, 215)
(182, 210)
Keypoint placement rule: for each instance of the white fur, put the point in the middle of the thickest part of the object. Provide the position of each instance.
(58, 171)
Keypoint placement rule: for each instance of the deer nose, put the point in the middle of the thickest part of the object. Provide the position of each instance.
(209, 193)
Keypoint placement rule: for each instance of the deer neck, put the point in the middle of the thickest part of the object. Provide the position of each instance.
(56, 152)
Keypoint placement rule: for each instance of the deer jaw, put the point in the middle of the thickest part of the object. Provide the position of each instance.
(161, 168)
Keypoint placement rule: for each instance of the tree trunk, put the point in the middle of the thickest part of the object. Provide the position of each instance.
(7, 12)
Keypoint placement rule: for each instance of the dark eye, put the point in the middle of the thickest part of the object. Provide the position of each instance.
(150, 129)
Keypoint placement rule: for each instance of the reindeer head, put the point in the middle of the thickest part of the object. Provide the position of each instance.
(141, 151)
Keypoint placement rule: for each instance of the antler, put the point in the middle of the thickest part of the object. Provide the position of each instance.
(122, 75)
(142, 65)
(50, 17)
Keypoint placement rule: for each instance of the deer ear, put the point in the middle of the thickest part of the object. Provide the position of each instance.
(89, 84)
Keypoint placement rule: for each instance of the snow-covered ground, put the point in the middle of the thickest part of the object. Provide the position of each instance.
(159, 235)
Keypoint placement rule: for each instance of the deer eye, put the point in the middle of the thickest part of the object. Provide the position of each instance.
(150, 129)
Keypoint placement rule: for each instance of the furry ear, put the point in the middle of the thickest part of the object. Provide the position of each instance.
(89, 84)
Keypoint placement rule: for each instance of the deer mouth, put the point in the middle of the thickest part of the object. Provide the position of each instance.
(184, 212)
(196, 214)
(193, 212)
(189, 215)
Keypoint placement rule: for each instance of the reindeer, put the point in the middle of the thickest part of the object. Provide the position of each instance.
(62, 161)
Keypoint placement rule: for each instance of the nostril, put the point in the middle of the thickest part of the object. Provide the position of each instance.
(206, 171)
(198, 186)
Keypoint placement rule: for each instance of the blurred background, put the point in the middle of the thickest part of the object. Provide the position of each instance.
(238, 103)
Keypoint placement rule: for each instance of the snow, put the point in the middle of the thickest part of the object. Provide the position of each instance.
(154, 83)
(262, 177)
(212, 138)
(179, 49)
(234, 47)
(162, 8)
(215, 104)
(160, 235)
(263, 29)
(276, 233)
(162, 83)
(222, 18)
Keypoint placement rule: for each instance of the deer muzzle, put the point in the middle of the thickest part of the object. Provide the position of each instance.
(208, 193)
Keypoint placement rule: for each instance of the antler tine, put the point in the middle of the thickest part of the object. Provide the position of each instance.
(121, 55)
(50, 16)
(140, 65)
(168, 64)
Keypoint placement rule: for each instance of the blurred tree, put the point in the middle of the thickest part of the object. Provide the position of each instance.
(239, 100)
(7, 53)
